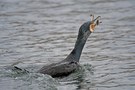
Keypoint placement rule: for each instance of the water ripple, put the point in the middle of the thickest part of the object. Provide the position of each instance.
(38, 32)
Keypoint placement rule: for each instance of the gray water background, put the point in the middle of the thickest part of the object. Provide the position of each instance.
(34, 33)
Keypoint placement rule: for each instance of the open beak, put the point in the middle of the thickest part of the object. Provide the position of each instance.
(94, 22)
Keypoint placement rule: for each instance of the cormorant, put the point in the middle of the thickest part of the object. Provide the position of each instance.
(71, 62)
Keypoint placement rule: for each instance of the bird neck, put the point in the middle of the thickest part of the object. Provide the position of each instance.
(76, 52)
(78, 49)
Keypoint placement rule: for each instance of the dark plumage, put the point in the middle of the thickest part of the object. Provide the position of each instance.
(70, 63)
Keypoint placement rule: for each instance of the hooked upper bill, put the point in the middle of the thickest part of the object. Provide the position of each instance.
(94, 22)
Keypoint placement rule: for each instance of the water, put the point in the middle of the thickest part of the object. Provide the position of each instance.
(34, 33)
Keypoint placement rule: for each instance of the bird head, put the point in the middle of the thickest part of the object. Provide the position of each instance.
(88, 27)
(94, 22)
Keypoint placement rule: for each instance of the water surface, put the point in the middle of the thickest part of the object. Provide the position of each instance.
(38, 32)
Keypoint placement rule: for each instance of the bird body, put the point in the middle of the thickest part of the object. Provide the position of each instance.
(59, 69)
(71, 62)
